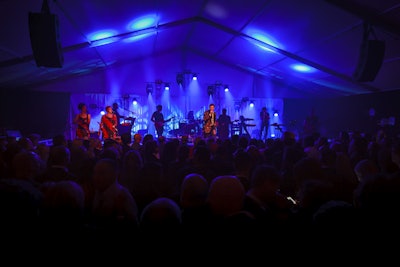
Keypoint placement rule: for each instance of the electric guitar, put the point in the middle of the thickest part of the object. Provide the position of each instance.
(159, 124)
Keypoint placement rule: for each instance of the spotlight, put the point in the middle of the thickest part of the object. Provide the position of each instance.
(194, 76)
(251, 104)
(166, 87)
(210, 89)
(218, 85)
(149, 88)
(226, 88)
(276, 114)
(237, 105)
(179, 79)
(134, 101)
(158, 85)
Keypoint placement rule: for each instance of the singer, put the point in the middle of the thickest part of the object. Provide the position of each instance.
(210, 122)
(108, 124)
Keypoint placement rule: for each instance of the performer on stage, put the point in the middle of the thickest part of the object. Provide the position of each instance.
(210, 122)
(224, 124)
(264, 118)
(158, 118)
(82, 120)
(108, 124)
(115, 111)
(243, 126)
(193, 124)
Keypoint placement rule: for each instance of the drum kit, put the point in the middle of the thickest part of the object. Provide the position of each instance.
(190, 127)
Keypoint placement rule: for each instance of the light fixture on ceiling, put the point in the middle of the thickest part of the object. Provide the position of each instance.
(210, 89)
(179, 79)
(237, 105)
(218, 85)
(149, 88)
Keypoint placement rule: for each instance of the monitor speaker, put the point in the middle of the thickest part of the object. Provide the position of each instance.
(45, 40)
(370, 60)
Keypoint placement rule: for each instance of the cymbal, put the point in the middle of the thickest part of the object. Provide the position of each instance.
(247, 119)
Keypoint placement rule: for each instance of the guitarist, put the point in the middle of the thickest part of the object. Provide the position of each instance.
(210, 122)
(158, 119)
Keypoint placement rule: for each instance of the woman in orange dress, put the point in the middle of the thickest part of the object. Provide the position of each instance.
(82, 120)
(108, 124)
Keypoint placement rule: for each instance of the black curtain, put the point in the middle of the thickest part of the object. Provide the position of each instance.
(44, 113)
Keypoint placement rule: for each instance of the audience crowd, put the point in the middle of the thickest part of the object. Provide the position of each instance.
(143, 188)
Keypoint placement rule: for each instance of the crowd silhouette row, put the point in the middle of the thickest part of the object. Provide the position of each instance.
(143, 186)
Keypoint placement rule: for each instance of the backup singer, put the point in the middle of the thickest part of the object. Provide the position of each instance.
(108, 124)
(210, 122)
(82, 120)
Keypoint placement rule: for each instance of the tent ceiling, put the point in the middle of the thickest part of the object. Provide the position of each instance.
(325, 35)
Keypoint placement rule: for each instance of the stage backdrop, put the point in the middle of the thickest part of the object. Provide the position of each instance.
(176, 108)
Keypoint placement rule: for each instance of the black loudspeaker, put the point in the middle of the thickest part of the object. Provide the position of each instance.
(370, 60)
(45, 40)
